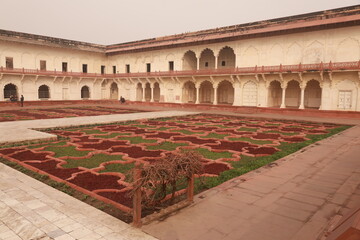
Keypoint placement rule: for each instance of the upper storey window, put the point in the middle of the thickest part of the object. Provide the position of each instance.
(148, 67)
(114, 69)
(64, 67)
(171, 66)
(127, 66)
(9, 62)
(42, 65)
(102, 69)
(84, 68)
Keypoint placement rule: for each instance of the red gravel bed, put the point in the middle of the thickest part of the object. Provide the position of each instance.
(194, 140)
(120, 197)
(8, 151)
(273, 136)
(162, 135)
(235, 146)
(91, 181)
(261, 150)
(29, 155)
(50, 168)
(106, 144)
(136, 152)
(215, 168)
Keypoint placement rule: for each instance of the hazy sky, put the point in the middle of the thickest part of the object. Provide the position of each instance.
(118, 21)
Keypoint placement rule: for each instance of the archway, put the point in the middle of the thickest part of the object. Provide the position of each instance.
(274, 94)
(156, 92)
(226, 58)
(312, 95)
(292, 95)
(189, 61)
(114, 91)
(139, 92)
(10, 90)
(250, 94)
(44, 92)
(207, 59)
(85, 92)
(147, 92)
(189, 92)
(225, 93)
(206, 92)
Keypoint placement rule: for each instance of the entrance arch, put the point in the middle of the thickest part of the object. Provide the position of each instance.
(250, 94)
(312, 94)
(189, 92)
(10, 90)
(156, 92)
(275, 94)
(139, 92)
(85, 92)
(225, 93)
(114, 91)
(189, 61)
(147, 92)
(292, 95)
(44, 92)
(206, 92)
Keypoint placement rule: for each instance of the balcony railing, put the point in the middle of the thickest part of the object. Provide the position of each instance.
(336, 66)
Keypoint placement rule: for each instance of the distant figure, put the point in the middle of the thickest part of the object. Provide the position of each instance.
(122, 100)
(22, 100)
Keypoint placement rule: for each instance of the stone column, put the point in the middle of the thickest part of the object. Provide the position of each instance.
(215, 95)
(283, 97)
(197, 63)
(197, 95)
(152, 94)
(143, 97)
(216, 62)
(302, 98)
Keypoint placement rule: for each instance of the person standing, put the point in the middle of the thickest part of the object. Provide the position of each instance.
(22, 100)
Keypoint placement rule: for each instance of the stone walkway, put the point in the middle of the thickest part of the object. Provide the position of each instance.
(295, 199)
(17, 131)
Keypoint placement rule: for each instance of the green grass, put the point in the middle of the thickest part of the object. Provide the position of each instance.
(187, 132)
(118, 167)
(92, 162)
(272, 124)
(163, 128)
(213, 155)
(283, 133)
(111, 135)
(93, 131)
(169, 146)
(247, 164)
(136, 140)
(47, 145)
(246, 139)
(143, 126)
(218, 126)
(66, 151)
(215, 135)
(245, 129)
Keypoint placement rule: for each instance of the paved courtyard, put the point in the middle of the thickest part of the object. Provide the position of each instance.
(296, 198)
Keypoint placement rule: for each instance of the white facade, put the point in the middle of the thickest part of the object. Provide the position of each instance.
(213, 73)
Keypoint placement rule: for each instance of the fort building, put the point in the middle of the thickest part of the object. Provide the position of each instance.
(304, 61)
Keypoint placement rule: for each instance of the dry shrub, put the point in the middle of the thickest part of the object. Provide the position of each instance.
(164, 176)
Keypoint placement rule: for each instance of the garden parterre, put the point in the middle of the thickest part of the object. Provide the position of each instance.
(95, 159)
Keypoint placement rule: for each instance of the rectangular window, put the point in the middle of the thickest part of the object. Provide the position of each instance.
(206, 64)
(148, 67)
(114, 69)
(127, 68)
(223, 63)
(9, 62)
(42, 65)
(64, 67)
(84, 68)
(102, 69)
(171, 66)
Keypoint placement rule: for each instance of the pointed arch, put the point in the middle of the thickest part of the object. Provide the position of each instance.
(189, 92)
(225, 92)
(114, 91)
(206, 92)
(85, 92)
(10, 89)
(226, 58)
(348, 50)
(44, 92)
(189, 61)
(292, 95)
(312, 94)
(139, 92)
(274, 94)
(207, 59)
